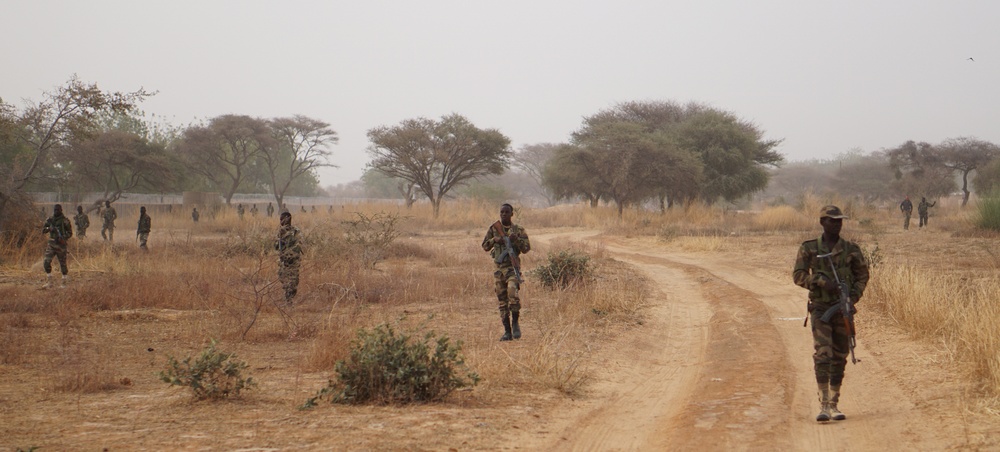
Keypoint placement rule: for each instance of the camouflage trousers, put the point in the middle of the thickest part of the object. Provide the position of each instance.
(831, 344)
(923, 219)
(81, 232)
(507, 289)
(906, 220)
(58, 251)
(288, 274)
(143, 236)
(108, 233)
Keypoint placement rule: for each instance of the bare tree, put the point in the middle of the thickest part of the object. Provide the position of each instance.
(225, 150)
(301, 145)
(531, 159)
(115, 162)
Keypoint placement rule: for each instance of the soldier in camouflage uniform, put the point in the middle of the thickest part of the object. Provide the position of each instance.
(830, 340)
(59, 230)
(82, 222)
(506, 285)
(922, 210)
(907, 208)
(109, 215)
(289, 254)
(145, 225)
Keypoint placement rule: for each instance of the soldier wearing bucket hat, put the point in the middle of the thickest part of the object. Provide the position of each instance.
(831, 338)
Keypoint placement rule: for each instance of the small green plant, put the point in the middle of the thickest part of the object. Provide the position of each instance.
(989, 212)
(563, 268)
(213, 375)
(386, 367)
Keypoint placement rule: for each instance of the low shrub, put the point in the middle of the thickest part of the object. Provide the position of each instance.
(213, 375)
(563, 269)
(386, 367)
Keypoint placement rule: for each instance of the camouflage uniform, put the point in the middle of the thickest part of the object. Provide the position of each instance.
(145, 225)
(907, 208)
(82, 222)
(108, 229)
(239, 210)
(830, 340)
(922, 210)
(506, 285)
(59, 230)
(289, 254)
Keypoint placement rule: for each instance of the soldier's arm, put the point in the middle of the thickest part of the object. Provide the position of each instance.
(860, 271)
(488, 240)
(523, 243)
(802, 274)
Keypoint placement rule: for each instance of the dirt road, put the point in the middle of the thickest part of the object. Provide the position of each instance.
(724, 363)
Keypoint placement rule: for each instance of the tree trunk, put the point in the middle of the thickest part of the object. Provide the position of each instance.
(965, 188)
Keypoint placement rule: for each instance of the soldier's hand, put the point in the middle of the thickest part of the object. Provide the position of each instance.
(831, 286)
(497, 239)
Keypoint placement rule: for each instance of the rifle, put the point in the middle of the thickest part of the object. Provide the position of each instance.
(845, 306)
(508, 250)
(49, 226)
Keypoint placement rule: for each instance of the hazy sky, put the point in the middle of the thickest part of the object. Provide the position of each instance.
(826, 77)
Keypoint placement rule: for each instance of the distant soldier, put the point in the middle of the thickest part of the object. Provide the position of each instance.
(59, 230)
(239, 210)
(82, 222)
(907, 208)
(195, 215)
(831, 339)
(253, 211)
(142, 231)
(506, 278)
(109, 215)
(303, 208)
(289, 255)
(270, 210)
(922, 211)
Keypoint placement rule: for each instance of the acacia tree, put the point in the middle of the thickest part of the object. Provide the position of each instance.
(567, 176)
(115, 162)
(966, 155)
(918, 169)
(531, 160)
(438, 156)
(225, 151)
(33, 132)
(300, 146)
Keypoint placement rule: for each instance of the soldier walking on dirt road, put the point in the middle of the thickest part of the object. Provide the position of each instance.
(922, 210)
(142, 231)
(82, 222)
(289, 255)
(109, 215)
(907, 208)
(831, 340)
(507, 276)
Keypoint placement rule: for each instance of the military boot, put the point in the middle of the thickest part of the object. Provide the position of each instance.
(515, 328)
(834, 398)
(507, 335)
(824, 403)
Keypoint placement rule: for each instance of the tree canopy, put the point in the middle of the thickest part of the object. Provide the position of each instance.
(438, 156)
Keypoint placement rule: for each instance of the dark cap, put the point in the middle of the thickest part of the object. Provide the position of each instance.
(832, 212)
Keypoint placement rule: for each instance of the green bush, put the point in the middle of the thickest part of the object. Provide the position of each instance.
(989, 212)
(214, 375)
(385, 367)
(563, 268)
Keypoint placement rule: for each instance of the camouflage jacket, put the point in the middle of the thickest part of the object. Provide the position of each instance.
(810, 272)
(922, 207)
(287, 244)
(109, 215)
(521, 244)
(58, 228)
(82, 221)
(145, 224)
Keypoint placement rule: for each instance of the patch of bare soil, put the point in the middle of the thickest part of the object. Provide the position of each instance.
(721, 362)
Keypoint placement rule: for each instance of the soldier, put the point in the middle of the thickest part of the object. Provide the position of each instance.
(922, 211)
(239, 210)
(907, 208)
(82, 222)
(289, 254)
(194, 214)
(831, 341)
(507, 276)
(109, 215)
(253, 211)
(270, 210)
(59, 230)
(142, 231)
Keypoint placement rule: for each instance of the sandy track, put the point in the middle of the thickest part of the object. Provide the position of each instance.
(723, 363)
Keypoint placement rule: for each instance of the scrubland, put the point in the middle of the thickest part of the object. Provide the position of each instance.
(124, 310)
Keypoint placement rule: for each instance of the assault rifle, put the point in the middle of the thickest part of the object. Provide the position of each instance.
(59, 234)
(845, 306)
(508, 250)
